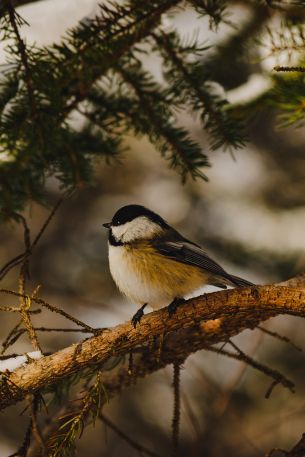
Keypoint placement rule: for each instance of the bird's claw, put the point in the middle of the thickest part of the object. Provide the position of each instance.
(172, 307)
(138, 316)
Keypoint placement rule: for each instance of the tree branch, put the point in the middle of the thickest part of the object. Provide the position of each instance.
(199, 323)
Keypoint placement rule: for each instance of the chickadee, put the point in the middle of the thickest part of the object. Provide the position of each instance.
(152, 264)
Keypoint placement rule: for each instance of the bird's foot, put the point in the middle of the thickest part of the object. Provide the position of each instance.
(172, 307)
(138, 316)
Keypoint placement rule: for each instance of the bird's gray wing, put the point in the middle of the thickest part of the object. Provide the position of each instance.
(186, 252)
(189, 253)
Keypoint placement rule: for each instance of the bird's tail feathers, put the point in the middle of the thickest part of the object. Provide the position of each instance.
(237, 281)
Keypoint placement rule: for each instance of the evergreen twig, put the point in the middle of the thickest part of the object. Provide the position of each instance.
(224, 131)
(184, 153)
(73, 422)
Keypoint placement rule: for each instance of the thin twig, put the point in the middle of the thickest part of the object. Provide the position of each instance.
(177, 410)
(47, 221)
(10, 264)
(14, 309)
(51, 308)
(24, 58)
(25, 300)
(19, 258)
(17, 332)
(27, 244)
(23, 450)
(223, 400)
(278, 377)
(290, 69)
(9, 340)
(9, 356)
(25, 303)
(35, 427)
(126, 438)
(279, 337)
(63, 330)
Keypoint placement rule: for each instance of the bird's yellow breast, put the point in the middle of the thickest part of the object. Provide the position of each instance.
(146, 276)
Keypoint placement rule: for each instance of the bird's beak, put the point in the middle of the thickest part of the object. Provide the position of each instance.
(107, 225)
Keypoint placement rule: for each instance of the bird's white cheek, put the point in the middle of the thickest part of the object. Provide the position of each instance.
(141, 227)
(119, 231)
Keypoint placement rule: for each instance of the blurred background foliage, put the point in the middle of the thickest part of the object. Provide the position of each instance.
(250, 215)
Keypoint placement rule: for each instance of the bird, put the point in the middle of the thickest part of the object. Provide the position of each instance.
(153, 264)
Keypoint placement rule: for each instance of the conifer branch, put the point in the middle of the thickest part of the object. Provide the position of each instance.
(139, 25)
(61, 77)
(73, 422)
(190, 85)
(176, 139)
(215, 9)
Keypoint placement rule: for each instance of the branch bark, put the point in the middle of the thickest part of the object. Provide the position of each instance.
(199, 323)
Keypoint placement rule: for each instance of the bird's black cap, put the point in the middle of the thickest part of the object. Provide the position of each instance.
(130, 212)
